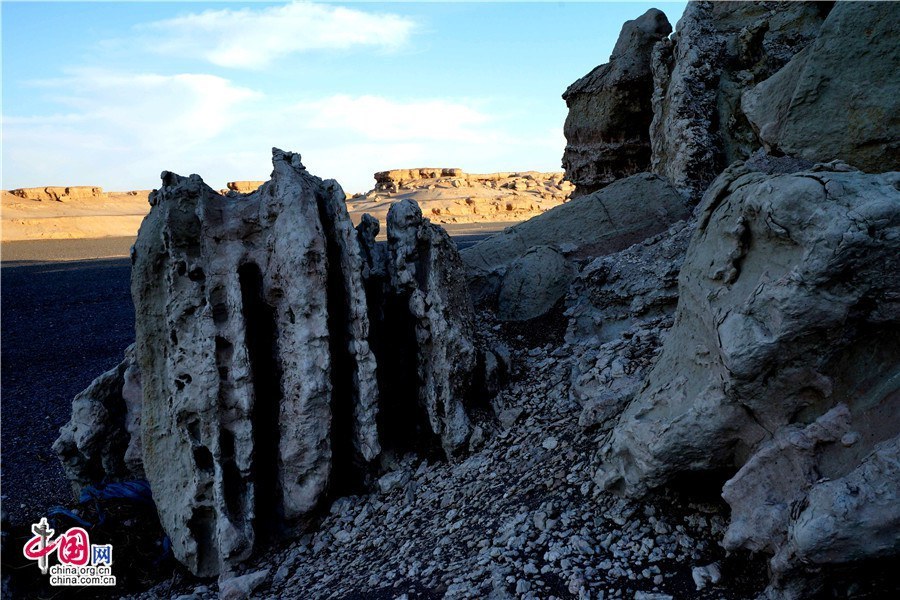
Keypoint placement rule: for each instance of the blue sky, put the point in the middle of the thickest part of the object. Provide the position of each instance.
(111, 94)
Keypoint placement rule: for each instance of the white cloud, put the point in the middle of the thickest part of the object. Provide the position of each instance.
(121, 130)
(118, 127)
(253, 38)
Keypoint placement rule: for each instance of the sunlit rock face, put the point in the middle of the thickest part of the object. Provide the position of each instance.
(260, 385)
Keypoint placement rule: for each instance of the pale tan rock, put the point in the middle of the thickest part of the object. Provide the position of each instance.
(244, 187)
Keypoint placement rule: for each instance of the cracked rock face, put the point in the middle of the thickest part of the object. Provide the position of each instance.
(607, 127)
(719, 50)
(278, 351)
(783, 358)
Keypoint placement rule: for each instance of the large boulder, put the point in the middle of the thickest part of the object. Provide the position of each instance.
(246, 332)
(719, 50)
(534, 284)
(607, 128)
(784, 360)
(606, 221)
(840, 97)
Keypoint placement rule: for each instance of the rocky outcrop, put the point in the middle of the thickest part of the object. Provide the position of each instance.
(606, 221)
(783, 359)
(608, 125)
(244, 187)
(452, 196)
(59, 194)
(260, 385)
(426, 273)
(393, 179)
(814, 108)
(102, 439)
(719, 50)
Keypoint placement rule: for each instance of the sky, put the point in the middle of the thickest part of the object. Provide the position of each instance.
(114, 93)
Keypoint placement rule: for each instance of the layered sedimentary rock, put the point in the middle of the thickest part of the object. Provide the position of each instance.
(102, 440)
(719, 50)
(452, 196)
(59, 194)
(783, 359)
(822, 105)
(608, 125)
(244, 187)
(606, 221)
(260, 388)
(386, 181)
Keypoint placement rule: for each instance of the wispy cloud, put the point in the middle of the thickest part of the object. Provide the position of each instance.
(253, 38)
(119, 127)
(120, 130)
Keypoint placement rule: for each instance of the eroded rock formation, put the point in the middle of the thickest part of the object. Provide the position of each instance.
(102, 440)
(59, 194)
(606, 221)
(608, 125)
(243, 187)
(719, 50)
(452, 196)
(788, 309)
(813, 107)
(258, 388)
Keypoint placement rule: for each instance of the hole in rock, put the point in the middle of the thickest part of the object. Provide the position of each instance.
(701, 486)
(202, 526)
(402, 421)
(234, 487)
(262, 343)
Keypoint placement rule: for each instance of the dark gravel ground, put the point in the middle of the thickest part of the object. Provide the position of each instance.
(62, 325)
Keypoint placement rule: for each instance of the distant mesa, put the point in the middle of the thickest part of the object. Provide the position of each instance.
(450, 195)
(242, 187)
(59, 194)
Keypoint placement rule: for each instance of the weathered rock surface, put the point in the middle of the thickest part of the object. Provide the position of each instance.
(246, 342)
(608, 125)
(788, 309)
(719, 50)
(102, 440)
(59, 194)
(252, 392)
(606, 221)
(425, 271)
(822, 105)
